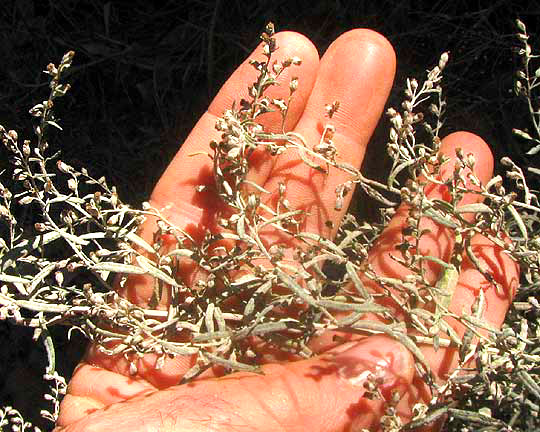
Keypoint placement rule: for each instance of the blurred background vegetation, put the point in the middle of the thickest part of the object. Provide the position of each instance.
(145, 71)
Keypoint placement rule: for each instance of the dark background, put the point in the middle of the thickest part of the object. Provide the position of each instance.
(143, 74)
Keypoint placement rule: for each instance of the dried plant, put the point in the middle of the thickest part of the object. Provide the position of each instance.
(61, 270)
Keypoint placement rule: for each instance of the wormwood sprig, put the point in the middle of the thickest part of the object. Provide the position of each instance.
(501, 393)
(60, 270)
(525, 85)
(10, 417)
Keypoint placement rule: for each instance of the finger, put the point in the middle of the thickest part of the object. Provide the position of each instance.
(176, 188)
(175, 195)
(327, 393)
(357, 70)
(498, 297)
(438, 242)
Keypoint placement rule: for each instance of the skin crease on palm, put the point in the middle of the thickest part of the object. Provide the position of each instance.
(324, 393)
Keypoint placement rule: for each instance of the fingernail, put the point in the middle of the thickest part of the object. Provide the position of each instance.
(377, 359)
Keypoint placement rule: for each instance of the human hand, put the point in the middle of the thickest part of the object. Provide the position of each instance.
(325, 393)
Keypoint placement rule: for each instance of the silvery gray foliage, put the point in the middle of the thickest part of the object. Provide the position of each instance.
(62, 270)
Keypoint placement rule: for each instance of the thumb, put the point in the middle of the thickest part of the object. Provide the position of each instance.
(327, 393)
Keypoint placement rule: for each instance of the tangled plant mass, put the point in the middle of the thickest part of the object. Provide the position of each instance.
(61, 270)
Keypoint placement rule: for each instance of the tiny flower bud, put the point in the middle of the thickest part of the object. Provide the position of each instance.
(26, 200)
(270, 29)
(13, 135)
(72, 184)
(506, 161)
(521, 26)
(443, 60)
(40, 227)
(293, 85)
(51, 69)
(277, 68)
(59, 277)
(407, 105)
(63, 167)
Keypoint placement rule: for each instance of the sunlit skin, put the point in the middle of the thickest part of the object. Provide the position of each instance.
(324, 393)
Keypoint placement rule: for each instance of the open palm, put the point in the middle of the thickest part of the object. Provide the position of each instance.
(324, 393)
